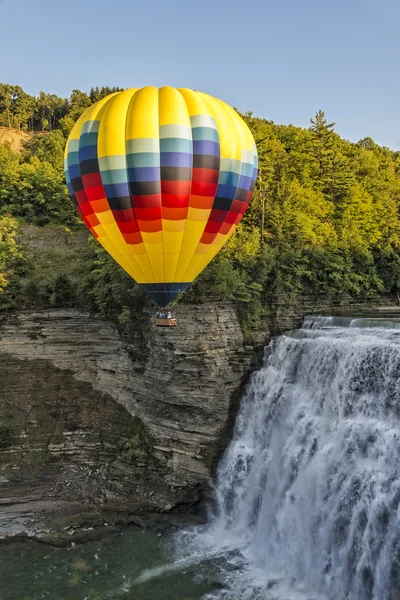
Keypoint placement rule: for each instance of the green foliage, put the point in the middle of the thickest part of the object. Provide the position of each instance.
(46, 148)
(324, 219)
(79, 102)
(133, 450)
(107, 290)
(32, 183)
(136, 448)
(97, 93)
(61, 291)
(9, 250)
(331, 212)
(5, 436)
(6, 417)
(23, 111)
(45, 112)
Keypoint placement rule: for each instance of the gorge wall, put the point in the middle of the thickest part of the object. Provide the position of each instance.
(134, 421)
(87, 415)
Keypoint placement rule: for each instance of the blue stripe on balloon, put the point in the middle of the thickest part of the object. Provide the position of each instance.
(205, 147)
(74, 171)
(70, 190)
(87, 152)
(116, 190)
(245, 182)
(226, 191)
(176, 159)
(144, 174)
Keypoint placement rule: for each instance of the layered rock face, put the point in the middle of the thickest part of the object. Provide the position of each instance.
(86, 414)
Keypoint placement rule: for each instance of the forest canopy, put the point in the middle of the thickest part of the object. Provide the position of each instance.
(324, 218)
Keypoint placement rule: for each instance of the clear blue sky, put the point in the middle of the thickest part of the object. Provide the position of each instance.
(281, 59)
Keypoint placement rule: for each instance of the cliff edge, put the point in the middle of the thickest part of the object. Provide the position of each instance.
(133, 422)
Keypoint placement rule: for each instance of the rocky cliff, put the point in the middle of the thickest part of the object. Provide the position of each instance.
(133, 421)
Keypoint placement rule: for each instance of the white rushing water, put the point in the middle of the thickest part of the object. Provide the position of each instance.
(308, 492)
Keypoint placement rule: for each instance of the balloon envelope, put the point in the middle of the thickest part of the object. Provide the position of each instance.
(161, 177)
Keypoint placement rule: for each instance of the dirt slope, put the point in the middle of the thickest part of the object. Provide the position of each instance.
(14, 137)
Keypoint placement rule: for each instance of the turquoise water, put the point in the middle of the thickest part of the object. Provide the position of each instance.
(133, 565)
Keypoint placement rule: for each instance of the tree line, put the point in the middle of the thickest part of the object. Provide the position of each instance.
(324, 219)
(46, 112)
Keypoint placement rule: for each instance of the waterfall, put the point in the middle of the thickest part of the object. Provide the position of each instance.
(307, 494)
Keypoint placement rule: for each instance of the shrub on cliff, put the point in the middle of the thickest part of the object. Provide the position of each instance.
(10, 252)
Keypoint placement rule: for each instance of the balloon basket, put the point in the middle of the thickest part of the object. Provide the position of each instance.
(166, 322)
(165, 319)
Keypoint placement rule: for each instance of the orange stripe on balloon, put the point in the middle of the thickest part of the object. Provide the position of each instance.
(208, 238)
(174, 214)
(133, 238)
(150, 226)
(201, 201)
(100, 205)
(93, 220)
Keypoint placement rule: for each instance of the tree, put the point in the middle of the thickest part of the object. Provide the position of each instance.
(97, 94)
(323, 139)
(9, 250)
(47, 147)
(78, 103)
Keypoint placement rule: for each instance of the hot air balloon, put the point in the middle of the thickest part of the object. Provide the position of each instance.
(161, 177)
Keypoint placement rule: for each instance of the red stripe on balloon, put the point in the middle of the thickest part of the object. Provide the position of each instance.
(96, 193)
(150, 201)
(129, 227)
(81, 197)
(201, 188)
(123, 216)
(175, 200)
(91, 180)
(86, 208)
(212, 227)
(231, 217)
(217, 215)
(148, 214)
(175, 187)
(236, 206)
(205, 176)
